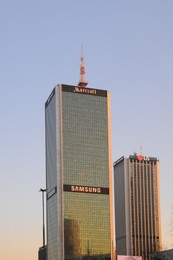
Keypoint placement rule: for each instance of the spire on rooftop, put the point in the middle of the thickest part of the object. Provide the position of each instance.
(82, 83)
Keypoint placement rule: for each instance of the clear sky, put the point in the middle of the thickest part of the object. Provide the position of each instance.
(128, 49)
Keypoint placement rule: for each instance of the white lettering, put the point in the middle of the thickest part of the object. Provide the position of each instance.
(85, 189)
(82, 189)
(99, 190)
(94, 189)
(76, 188)
(85, 90)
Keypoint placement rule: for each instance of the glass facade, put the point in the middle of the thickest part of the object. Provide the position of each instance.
(85, 161)
(53, 178)
(78, 192)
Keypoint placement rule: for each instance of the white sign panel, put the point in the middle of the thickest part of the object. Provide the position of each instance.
(125, 257)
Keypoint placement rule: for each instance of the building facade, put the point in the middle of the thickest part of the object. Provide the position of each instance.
(137, 206)
(78, 174)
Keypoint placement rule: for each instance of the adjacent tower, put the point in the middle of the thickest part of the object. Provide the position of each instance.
(137, 206)
(78, 172)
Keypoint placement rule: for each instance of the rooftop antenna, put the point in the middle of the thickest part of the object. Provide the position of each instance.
(140, 156)
(82, 83)
(135, 153)
(141, 150)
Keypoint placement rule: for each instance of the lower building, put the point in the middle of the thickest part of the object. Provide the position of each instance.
(137, 206)
(163, 255)
(42, 253)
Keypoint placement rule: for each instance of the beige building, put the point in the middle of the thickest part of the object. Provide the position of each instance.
(137, 206)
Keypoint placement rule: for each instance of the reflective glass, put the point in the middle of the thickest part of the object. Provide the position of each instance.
(85, 167)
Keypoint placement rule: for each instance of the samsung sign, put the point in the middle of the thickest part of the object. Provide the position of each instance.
(86, 189)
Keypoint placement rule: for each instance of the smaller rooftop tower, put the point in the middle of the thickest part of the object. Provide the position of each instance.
(82, 83)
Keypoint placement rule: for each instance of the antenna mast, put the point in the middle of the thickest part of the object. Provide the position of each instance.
(82, 83)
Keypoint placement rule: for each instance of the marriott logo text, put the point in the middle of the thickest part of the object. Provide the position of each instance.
(85, 90)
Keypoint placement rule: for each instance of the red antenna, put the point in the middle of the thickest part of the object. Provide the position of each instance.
(82, 83)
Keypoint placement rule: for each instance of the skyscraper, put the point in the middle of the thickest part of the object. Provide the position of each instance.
(78, 172)
(137, 206)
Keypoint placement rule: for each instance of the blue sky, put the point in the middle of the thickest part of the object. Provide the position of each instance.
(127, 49)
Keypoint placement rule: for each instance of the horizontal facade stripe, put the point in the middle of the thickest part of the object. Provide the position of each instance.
(86, 189)
(85, 91)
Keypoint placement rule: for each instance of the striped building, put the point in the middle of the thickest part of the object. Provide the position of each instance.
(137, 206)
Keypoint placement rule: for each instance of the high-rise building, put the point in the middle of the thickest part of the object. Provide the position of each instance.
(78, 173)
(137, 206)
